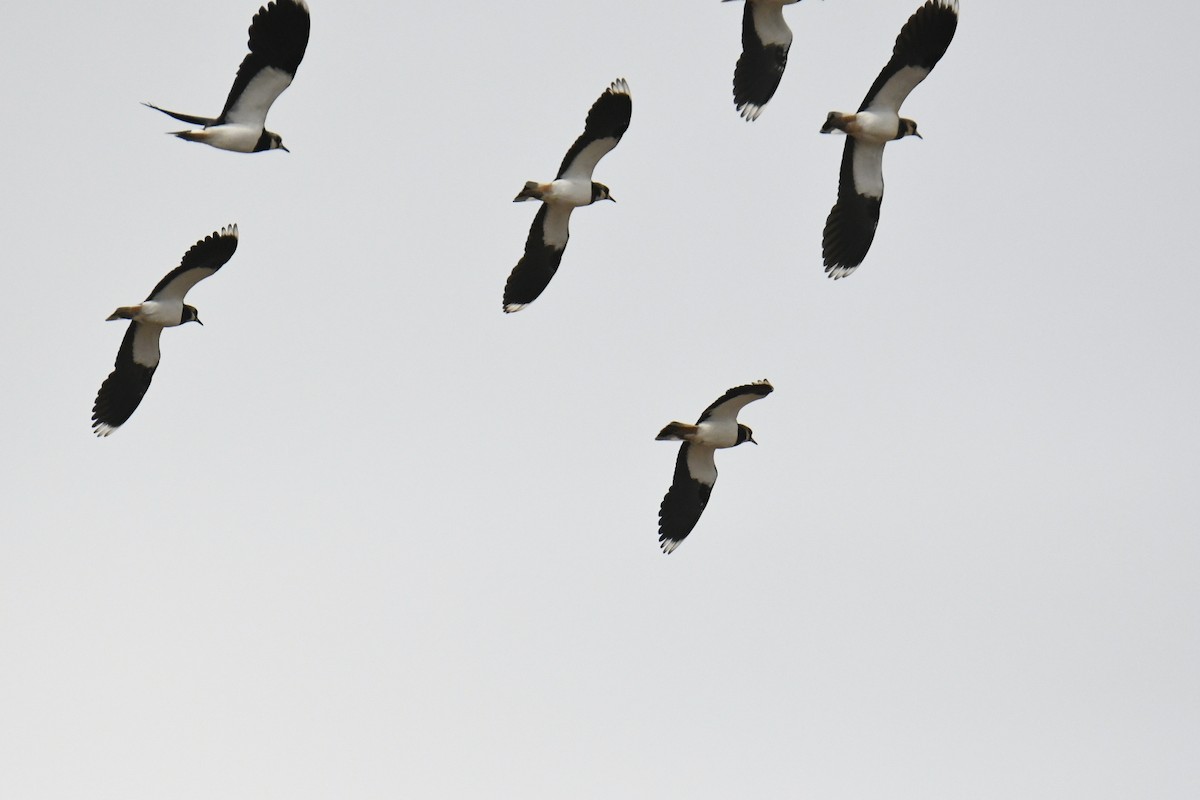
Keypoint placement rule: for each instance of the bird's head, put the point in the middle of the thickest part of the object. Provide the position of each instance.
(745, 434)
(190, 315)
(271, 141)
(600, 192)
(908, 128)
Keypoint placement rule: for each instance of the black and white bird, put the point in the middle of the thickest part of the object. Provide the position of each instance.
(278, 39)
(766, 39)
(695, 467)
(606, 123)
(137, 359)
(850, 227)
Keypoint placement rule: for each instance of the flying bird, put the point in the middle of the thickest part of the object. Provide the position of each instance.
(573, 187)
(851, 224)
(766, 39)
(137, 359)
(695, 467)
(278, 38)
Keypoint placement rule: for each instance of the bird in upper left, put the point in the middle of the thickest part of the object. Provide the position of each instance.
(137, 359)
(278, 39)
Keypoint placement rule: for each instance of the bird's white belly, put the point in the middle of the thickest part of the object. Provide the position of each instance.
(569, 193)
(716, 435)
(238, 138)
(159, 313)
(876, 127)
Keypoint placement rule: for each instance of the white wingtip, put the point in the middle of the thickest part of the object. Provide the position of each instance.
(103, 429)
(510, 308)
(619, 86)
(842, 272)
(750, 111)
(669, 545)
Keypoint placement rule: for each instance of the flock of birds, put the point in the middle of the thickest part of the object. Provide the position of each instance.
(278, 38)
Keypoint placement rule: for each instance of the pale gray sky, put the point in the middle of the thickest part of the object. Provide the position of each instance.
(369, 537)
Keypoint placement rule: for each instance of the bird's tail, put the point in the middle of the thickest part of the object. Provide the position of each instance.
(205, 121)
(124, 312)
(835, 122)
(532, 191)
(189, 136)
(679, 431)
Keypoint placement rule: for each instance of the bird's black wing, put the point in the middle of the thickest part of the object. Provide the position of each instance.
(203, 259)
(695, 475)
(850, 227)
(727, 406)
(278, 39)
(543, 253)
(124, 388)
(766, 40)
(606, 123)
(190, 118)
(921, 44)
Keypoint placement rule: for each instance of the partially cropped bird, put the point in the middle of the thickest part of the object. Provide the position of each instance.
(123, 390)
(766, 39)
(278, 39)
(850, 228)
(695, 467)
(606, 123)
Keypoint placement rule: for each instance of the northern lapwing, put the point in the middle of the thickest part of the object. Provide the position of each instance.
(695, 467)
(137, 359)
(766, 39)
(278, 39)
(606, 123)
(851, 224)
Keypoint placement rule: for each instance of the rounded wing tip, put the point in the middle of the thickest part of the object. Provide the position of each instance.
(750, 111)
(230, 230)
(669, 545)
(760, 388)
(102, 429)
(300, 4)
(512, 308)
(932, 5)
(619, 86)
(840, 271)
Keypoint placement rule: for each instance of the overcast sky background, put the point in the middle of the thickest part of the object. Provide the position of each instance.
(369, 537)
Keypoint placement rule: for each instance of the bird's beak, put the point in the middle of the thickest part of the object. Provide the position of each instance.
(918, 135)
(610, 197)
(751, 440)
(198, 322)
(284, 149)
